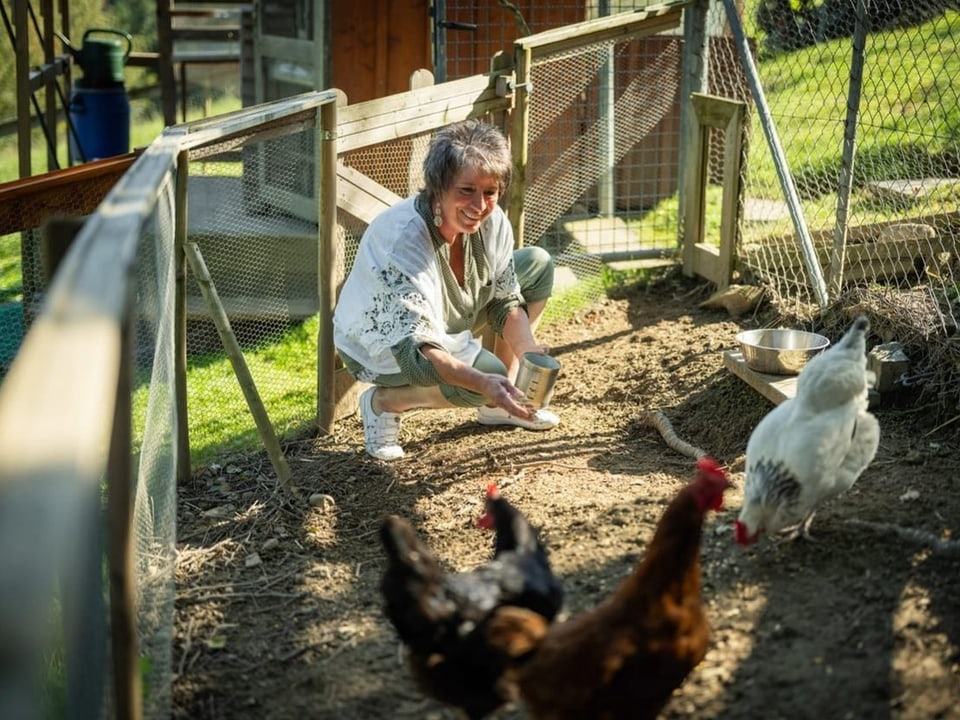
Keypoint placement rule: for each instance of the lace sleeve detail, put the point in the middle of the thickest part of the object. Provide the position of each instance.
(398, 311)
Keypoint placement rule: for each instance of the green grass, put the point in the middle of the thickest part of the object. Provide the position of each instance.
(220, 421)
(909, 114)
(658, 226)
(11, 281)
(909, 127)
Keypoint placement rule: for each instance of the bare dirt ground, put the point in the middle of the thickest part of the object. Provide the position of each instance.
(278, 612)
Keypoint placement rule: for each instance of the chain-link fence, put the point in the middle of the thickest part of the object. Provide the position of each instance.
(860, 97)
(850, 175)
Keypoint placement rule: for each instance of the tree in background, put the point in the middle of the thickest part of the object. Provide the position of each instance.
(137, 17)
(794, 24)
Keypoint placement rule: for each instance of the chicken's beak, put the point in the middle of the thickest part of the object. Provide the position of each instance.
(742, 536)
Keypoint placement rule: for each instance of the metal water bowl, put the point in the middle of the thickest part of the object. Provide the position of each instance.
(779, 351)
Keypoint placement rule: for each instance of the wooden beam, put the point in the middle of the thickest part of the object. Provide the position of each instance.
(239, 363)
(416, 111)
(775, 388)
(28, 203)
(330, 268)
(610, 28)
(713, 112)
(360, 196)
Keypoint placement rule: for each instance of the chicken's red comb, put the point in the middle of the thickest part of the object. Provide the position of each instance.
(487, 520)
(712, 481)
(708, 466)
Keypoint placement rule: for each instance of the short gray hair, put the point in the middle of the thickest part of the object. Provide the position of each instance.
(466, 144)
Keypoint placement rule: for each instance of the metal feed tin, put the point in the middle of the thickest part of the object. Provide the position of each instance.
(537, 377)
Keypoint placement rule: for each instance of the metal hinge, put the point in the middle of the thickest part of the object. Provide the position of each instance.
(506, 85)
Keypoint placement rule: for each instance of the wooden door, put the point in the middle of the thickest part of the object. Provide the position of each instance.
(376, 45)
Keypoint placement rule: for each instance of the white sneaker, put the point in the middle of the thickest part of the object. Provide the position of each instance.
(542, 419)
(379, 431)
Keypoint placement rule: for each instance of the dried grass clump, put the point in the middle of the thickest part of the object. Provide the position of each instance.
(924, 325)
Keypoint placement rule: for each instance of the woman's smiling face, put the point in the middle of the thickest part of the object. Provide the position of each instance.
(468, 202)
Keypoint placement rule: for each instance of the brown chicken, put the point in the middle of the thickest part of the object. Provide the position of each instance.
(441, 616)
(624, 658)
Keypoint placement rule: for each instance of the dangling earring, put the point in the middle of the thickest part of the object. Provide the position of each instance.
(437, 218)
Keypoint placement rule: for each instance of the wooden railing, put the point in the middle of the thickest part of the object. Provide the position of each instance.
(65, 414)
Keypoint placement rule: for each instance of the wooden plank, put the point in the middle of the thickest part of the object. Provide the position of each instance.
(26, 204)
(611, 28)
(428, 99)
(695, 182)
(944, 223)
(346, 393)
(330, 264)
(725, 114)
(360, 196)
(730, 208)
(63, 381)
(864, 260)
(420, 122)
(423, 101)
(775, 388)
(420, 110)
(122, 544)
(705, 261)
(472, 85)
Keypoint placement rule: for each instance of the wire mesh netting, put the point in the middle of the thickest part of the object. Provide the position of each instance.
(604, 150)
(155, 504)
(478, 30)
(262, 260)
(249, 201)
(859, 97)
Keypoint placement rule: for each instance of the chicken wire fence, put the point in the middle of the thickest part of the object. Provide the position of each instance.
(860, 97)
(154, 529)
(210, 188)
(246, 197)
(604, 138)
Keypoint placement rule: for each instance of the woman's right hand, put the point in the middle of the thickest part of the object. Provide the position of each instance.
(502, 393)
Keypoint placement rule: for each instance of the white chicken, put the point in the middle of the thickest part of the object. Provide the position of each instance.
(813, 446)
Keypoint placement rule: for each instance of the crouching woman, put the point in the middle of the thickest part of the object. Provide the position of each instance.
(431, 272)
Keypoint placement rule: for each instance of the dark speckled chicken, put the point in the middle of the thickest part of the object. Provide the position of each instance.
(441, 616)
